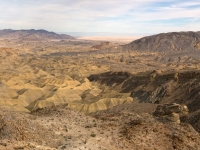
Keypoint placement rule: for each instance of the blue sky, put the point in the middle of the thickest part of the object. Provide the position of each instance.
(113, 16)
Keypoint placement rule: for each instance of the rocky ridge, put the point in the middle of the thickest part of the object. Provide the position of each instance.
(172, 41)
(32, 35)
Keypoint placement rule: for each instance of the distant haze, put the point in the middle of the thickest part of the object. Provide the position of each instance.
(95, 34)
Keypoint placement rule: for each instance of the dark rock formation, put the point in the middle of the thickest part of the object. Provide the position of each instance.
(173, 41)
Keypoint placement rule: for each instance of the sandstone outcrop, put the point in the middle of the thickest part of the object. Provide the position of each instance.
(171, 112)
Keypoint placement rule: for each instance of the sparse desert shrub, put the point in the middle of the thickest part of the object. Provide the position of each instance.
(93, 135)
(88, 126)
(136, 122)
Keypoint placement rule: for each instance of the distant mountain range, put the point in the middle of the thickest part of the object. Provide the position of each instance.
(32, 34)
(172, 41)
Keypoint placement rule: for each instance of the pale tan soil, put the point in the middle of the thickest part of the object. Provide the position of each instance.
(114, 39)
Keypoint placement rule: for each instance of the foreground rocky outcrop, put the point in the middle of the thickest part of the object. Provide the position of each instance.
(143, 131)
(171, 112)
(61, 128)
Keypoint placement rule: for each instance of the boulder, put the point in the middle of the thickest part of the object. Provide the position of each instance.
(171, 112)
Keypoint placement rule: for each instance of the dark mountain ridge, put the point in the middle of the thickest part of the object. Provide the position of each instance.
(172, 41)
(32, 34)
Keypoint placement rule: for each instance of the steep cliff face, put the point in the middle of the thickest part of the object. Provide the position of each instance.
(156, 87)
(173, 41)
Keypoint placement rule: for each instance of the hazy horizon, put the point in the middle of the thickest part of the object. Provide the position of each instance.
(83, 34)
(102, 34)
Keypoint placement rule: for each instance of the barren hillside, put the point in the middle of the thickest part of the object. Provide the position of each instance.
(32, 35)
(174, 41)
(86, 94)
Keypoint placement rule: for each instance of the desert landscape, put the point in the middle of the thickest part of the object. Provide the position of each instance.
(99, 93)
